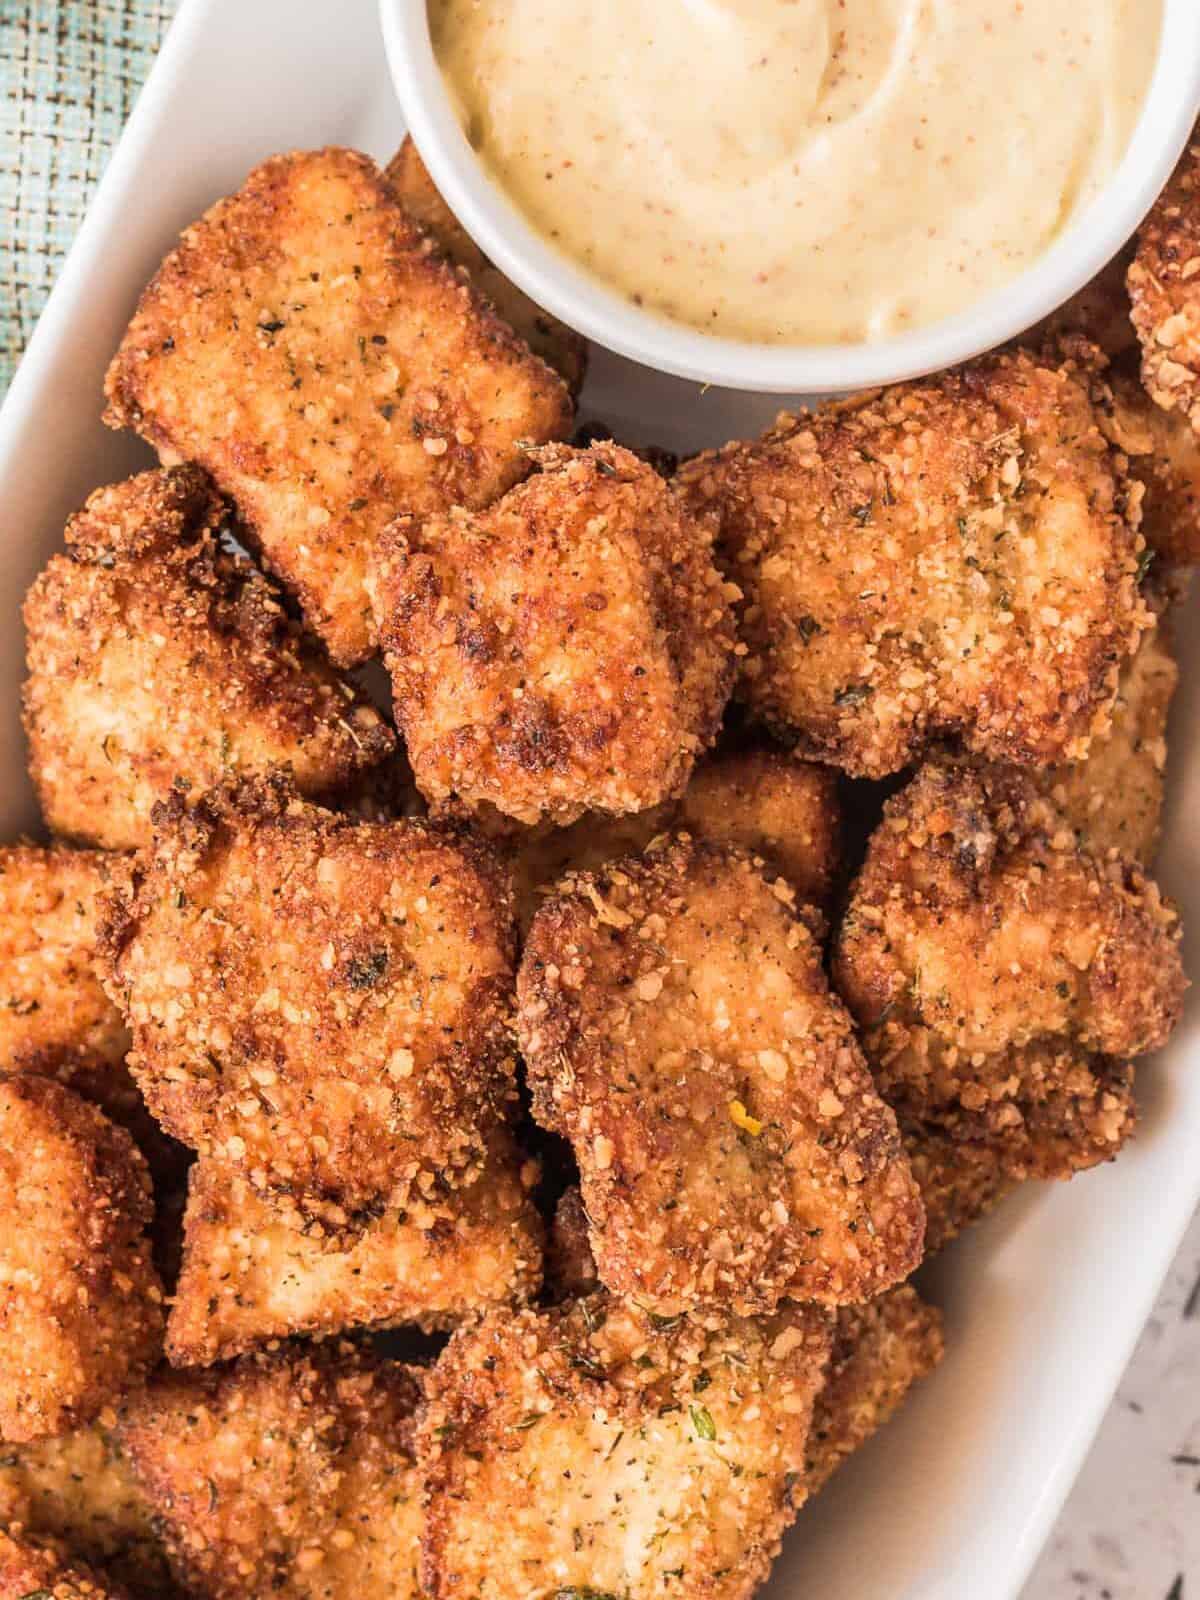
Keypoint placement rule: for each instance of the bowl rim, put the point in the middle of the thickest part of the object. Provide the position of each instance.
(604, 316)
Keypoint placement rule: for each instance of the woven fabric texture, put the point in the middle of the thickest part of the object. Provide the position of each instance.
(70, 71)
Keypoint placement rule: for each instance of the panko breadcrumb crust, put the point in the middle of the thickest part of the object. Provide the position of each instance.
(1001, 976)
(558, 346)
(81, 1317)
(952, 558)
(595, 1450)
(253, 1273)
(157, 656)
(30, 1570)
(960, 1181)
(571, 648)
(319, 1003)
(78, 1492)
(879, 1351)
(1165, 291)
(308, 345)
(290, 1474)
(678, 1029)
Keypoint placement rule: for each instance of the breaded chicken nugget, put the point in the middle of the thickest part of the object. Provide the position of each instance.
(679, 1031)
(570, 1265)
(589, 1450)
(879, 1351)
(156, 656)
(766, 801)
(1165, 293)
(571, 648)
(253, 1273)
(956, 557)
(78, 1492)
(305, 344)
(960, 1181)
(1114, 799)
(30, 1570)
(1002, 976)
(290, 1475)
(316, 1002)
(81, 1313)
(559, 347)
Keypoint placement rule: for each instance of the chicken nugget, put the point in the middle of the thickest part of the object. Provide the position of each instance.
(779, 808)
(1002, 977)
(77, 1492)
(81, 1317)
(879, 1351)
(305, 345)
(960, 1181)
(679, 1031)
(558, 346)
(253, 1272)
(1165, 292)
(1114, 799)
(590, 1450)
(30, 1570)
(571, 648)
(156, 656)
(317, 1002)
(570, 1265)
(290, 1474)
(951, 558)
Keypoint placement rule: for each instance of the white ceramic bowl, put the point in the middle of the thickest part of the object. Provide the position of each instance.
(604, 315)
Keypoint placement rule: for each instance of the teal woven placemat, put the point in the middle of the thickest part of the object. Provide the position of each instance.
(69, 74)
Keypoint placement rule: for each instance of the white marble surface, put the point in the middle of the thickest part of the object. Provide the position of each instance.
(1131, 1528)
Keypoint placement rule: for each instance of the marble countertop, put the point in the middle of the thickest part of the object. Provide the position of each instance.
(1131, 1528)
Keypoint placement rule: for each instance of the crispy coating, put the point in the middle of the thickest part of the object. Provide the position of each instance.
(558, 346)
(570, 1265)
(307, 345)
(1114, 799)
(1166, 294)
(766, 801)
(1001, 976)
(956, 558)
(317, 1002)
(30, 1570)
(1163, 452)
(1100, 312)
(81, 1313)
(589, 1450)
(678, 1029)
(78, 1492)
(879, 1351)
(253, 1273)
(570, 648)
(291, 1475)
(960, 1181)
(155, 655)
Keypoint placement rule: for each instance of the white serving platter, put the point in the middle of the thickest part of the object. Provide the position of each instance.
(1043, 1303)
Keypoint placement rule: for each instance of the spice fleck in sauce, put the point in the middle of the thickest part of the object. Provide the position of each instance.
(800, 171)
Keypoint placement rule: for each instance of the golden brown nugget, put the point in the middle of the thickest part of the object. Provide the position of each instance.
(960, 1181)
(156, 656)
(253, 1273)
(569, 649)
(1001, 976)
(570, 1265)
(305, 345)
(779, 808)
(559, 347)
(318, 1003)
(1114, 799)
(589, 1450)
(879, 1351)
(953, 558)
(290, 1474)
(30, 1570)
(81, 1315)
(679, 1031)
(1164, 288)
(77, 1491)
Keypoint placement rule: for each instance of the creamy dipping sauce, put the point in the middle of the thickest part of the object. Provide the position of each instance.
(800, 171)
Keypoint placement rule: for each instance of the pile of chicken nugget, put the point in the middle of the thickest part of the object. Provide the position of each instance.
(479, 1151)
